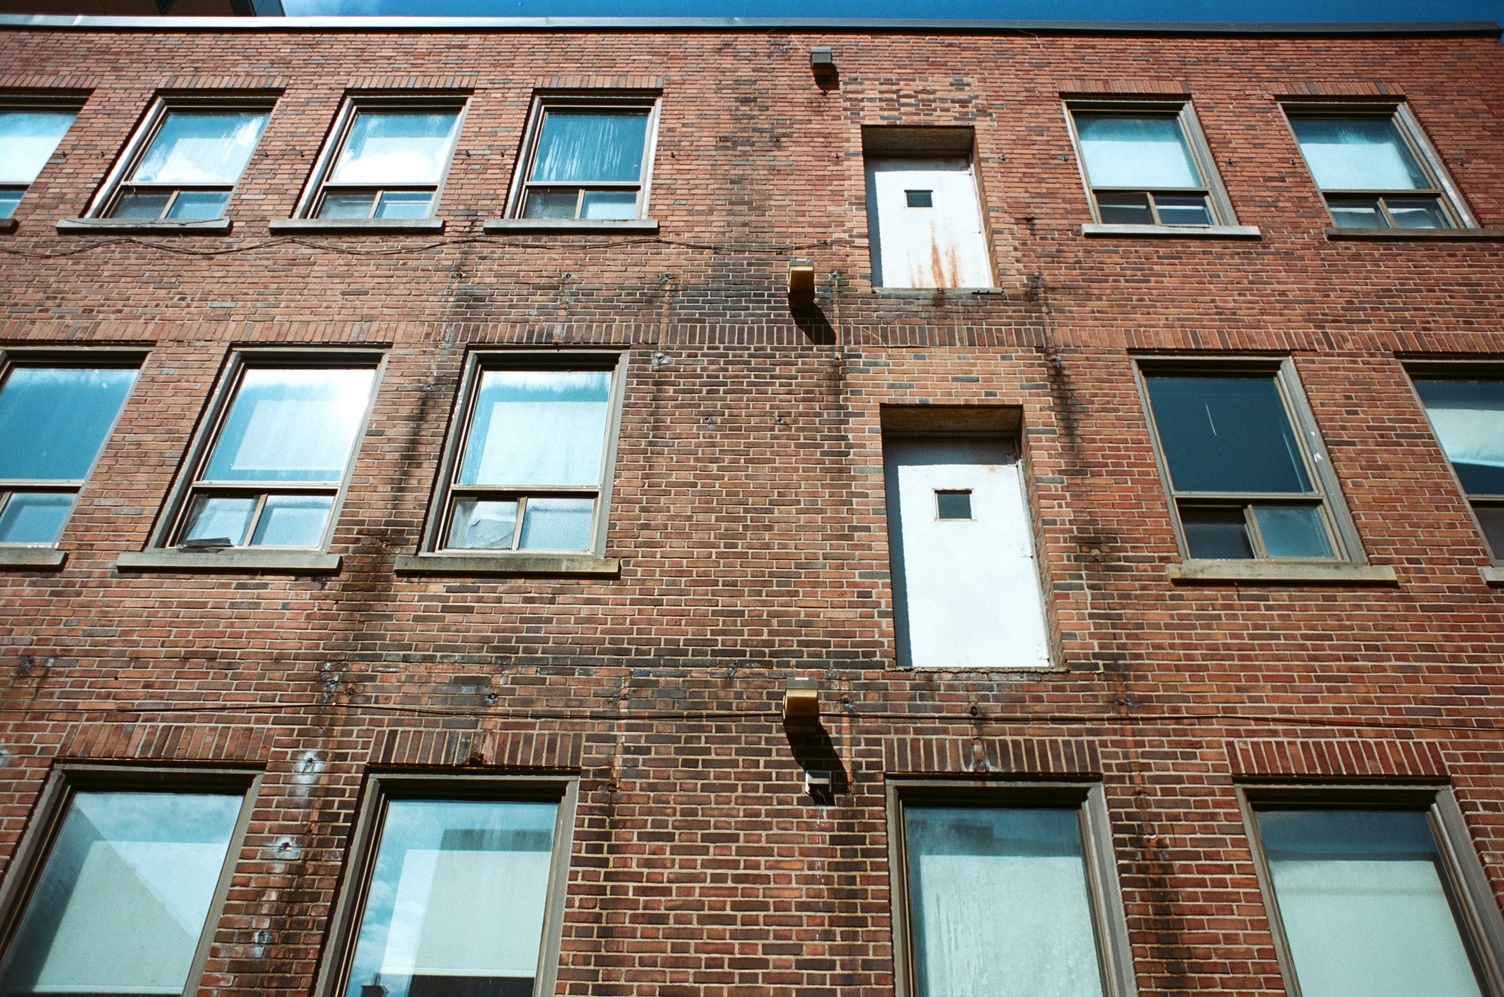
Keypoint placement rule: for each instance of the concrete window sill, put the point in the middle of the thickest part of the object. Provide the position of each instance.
(31, 557)
(1279, 573)
(1175, 231)
(1417, 234)
(7, 225)
(137, 226)
(230, 561)
(1493, 575)
(355, 226)
(598, 226)
(503, 564)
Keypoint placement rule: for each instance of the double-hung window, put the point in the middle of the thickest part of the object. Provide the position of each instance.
(1014, 884)
(1148, 165)
(1375, 168)
(587, 158)
(530, 464)
(1467, 414)
(386, 158)
(456, 889)
(1246, 470)
(186, 160)
(28, 137)
(54, 419)
(276, 462)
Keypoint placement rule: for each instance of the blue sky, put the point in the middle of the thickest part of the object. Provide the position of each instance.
(1025, 10)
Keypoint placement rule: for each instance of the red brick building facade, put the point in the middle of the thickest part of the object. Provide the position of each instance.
(740, 535)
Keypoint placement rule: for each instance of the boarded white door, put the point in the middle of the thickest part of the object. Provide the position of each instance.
(926, 224)
(966, 589)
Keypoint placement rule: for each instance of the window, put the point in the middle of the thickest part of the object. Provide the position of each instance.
(531, 460)
(1375, 169)
(1468, 417)
(278, 456)
(54, 419)
(924, 218)
(28, 137)
(186, 160)
(1011, 883)
(1148, 165)
(966, 590)
(1375, 894)
(387, 159)
(123, 898)
(1245, 482)
(457, 891)
(588, 158)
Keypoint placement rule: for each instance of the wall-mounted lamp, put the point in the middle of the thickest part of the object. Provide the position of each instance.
(802, 279)
(801, 699)
(822, 62)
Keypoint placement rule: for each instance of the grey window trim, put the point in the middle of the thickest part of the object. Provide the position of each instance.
(169, 521)
(141, 138)
(33, 555)
(1224, 218)
(543, 100)
(563, 788)
(1398, 111)
(1109, 922)
(1347, 545)
(51, 808)
(590, 561)
(353, 103)
(1468, 886)
(40, 100)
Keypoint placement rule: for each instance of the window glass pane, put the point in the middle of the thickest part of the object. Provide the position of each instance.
(1119, 208)
(122, 900)
(218, 518)
(53, 420)
(345, 205)
(551, 203)
(1216, 533)
(291, 424)
(479, 523)
(999, 903)
(557, 524)
(456, 901)
(199, 204)
(1182, 210)
(1364, 905)
(1469, 420)
(292, 521)
(27, 141)
(1292, 531)
(609, 204)
(1417, 213)
(537, 427)
(1357, 214)
(1358, 154)
(34, 517)
(396, 147)
(201, 147)
(404, 204)
(1226, 434)
(1491, 518)
(8, 201)
(141, 204)
(1145, 152)
(590, 145)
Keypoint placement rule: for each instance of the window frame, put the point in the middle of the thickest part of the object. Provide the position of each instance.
(1219, 205)
(360, 861)
(1109, 920)
(441, 506)
(1443, 188)
(86, 358)
(543, 102)
(318, 184)
(46, 102)
(1454, 370)
(1347, 546)
(51, 809)
(1466, 884)
(175, 510)
(118, 180)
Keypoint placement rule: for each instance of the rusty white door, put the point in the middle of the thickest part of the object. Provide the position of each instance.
(926, 224)
(966, 590)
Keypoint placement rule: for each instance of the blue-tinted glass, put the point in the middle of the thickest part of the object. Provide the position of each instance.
(1417, 213)
(27, 141)
(1182, 210)
(1292, 531)
(292, 521)
(551, 204)
(199, 204)
(53, 420)
(590, 146)
(557, 524)
(1357, 214)
(404, 204)
(144, 204)
(218, 518)
(291, 424)
(1469, 420)
(34, 517)
(8, 201)
(1226, 434)
(537, 427)
(1358, 154)
(1148, 152)
(201, 147)
(396, 147)
(609, 204)
(483, 524)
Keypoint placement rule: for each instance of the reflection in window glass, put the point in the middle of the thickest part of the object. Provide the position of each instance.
(583, 148)
(396, 147)
(191, 165)
(998, 902)
(456, 901)
(1468, 417)
(27, 140)
(1369, 153)
(124, 896)
(1141, 169)
(1363, 896)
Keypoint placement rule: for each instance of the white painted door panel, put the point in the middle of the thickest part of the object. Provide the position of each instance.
(935, 245)
(966, 592)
